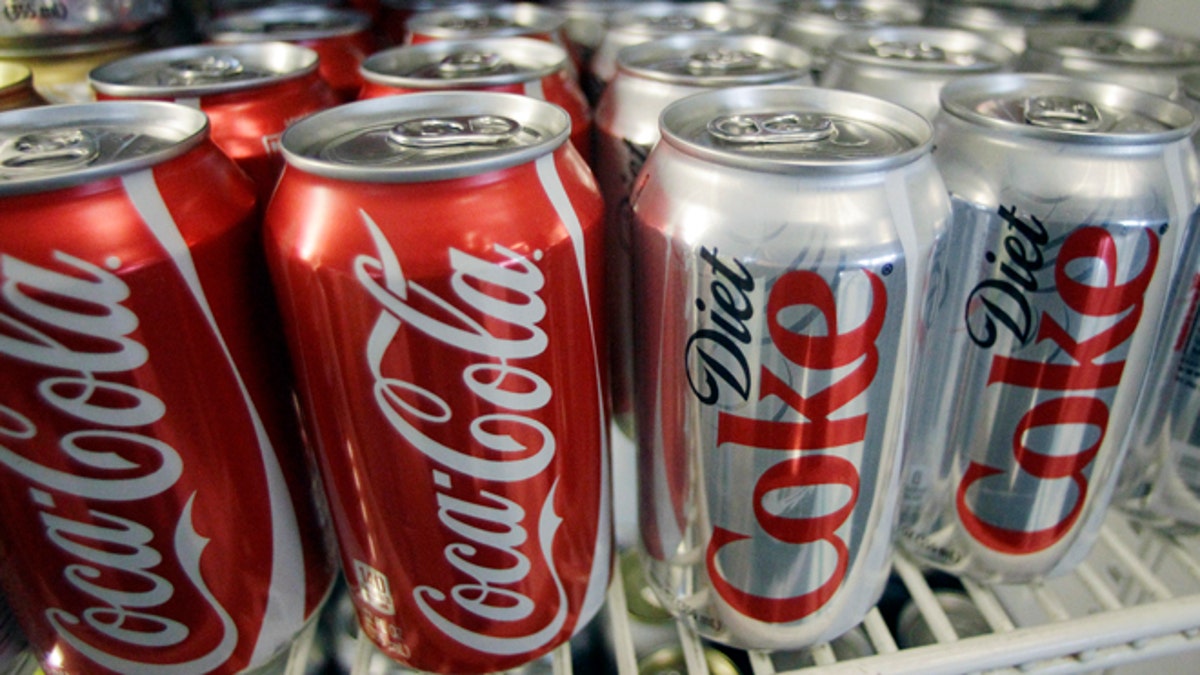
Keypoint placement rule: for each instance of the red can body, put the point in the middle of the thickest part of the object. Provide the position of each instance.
(250, 92)
(445, 326)
(157, 509)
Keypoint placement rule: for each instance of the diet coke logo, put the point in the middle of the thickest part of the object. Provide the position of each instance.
(1099, 285)
(820, 429)
(494, 316)
(71, 322)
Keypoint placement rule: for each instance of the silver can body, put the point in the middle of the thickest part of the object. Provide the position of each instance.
(780, 243)
(910, 65)
(1003, 23)
(1070, 199)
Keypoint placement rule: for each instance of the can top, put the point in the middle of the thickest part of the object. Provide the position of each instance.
(660, 19)
(1062, 108)
(14, 76)
(796, 130)
(287, 23)
(425, 137)
(59, 146)
(464, 63)
(200, 70)
(1113, 45)
(475, 21)
(923, 49)
(1190, 83)
(716, 60)
(821, 16)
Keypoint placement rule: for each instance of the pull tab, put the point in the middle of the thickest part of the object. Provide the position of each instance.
(772, 128)
(467, 64)
(721, 61)
(442, 132)
(210, 69)
(1061, 112)
(52, 150)
(908, 51)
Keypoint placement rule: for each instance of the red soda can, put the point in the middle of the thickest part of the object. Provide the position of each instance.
(438, 260)
(157, 509)
(392, 24)
(250, 92)
(781, 247)
(514, 65)
(341, 38)
(472, 22)
(1044, 313)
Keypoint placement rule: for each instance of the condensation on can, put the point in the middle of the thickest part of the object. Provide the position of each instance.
(1141, 58)
(910, 65)
(768, 218)
(1024, 278)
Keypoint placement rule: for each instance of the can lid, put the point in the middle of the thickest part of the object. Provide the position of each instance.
(287, 23)
(864, 13)
(1113, 45)
(716, 60)
(1066, 109)
(53, 147)
(476, 21)
(660, 19)
(912, 48)
(1190, 83)
(670, 660)
(201, 70)
(464, 63)
(14, 76)
(425, 137)
(791, 130)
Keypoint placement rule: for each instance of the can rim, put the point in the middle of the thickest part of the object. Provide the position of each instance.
(548, 58)
(636, 21)
(247, 25)
(283, 60)
(777, 98)
(994, 55)
(538, 19)
(958, 99)
(190, 127)
(1049, 39)
(635, 59)
(304, 140)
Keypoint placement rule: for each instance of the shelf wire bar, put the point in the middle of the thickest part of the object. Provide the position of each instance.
(1133, 562)
(922, 595)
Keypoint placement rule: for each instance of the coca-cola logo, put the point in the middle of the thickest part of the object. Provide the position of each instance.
(495, 316)
(71, 322)
(819, 430)
(1087, 366)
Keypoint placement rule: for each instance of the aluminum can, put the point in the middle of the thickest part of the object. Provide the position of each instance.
(780, 251)
(250, 92)
(60, 72)
(514, 65)
(157, 506)
(392, 23)
(1141, 58)
(817, 24)
(909, 65)
(1001, 23)
(655, 20)
(438, 260)
(341, 38)
(649, 77)
(1042, 319)
(32, 23)
(16, 88)
(472, 22)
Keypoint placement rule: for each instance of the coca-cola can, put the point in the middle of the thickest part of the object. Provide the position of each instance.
(1070, 200)
(1137, 57)
(655, 20)
(250, 92)
(472, 22)
(909, 65)
(342, 38)
(157, 507)
(780, 252)
(438, 260)
(817, 24)
(649, 77)
(515, 65)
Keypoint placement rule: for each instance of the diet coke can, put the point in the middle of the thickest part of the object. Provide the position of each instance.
(781, 245)
(817, 24)
(649, 77)
(157, 508)
(438, 260)
(250, 92)
(515, 65)
(1070, 198)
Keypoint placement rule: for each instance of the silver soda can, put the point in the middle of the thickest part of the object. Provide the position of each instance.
(1070, 198)
(655, 20)
(781, 244)
(817, 24)
(649, 77)
(909, 65)
(1002, 23)
(1141, 58)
